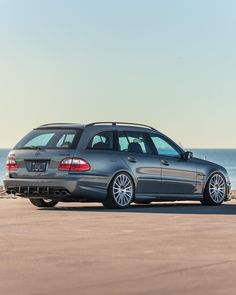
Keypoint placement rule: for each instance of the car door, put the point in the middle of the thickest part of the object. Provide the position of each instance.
(135, 150)
(179, 175)
(99, 152)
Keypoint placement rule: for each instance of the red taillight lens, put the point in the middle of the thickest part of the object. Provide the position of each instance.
(11, 164)
(73, 164)
(65, 164)
(79, 165)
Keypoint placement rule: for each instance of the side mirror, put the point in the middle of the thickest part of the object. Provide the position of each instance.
(187, 155)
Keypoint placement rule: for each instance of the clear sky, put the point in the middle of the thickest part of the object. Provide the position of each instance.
(168, 63)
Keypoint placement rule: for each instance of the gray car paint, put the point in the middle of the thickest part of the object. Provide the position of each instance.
(181, 179)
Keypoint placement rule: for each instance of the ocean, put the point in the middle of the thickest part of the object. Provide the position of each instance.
(224, 157)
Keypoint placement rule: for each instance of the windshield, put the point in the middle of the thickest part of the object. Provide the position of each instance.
(50, 139)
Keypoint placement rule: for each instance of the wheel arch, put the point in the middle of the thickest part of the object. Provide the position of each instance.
(127, 172)
(210, 175)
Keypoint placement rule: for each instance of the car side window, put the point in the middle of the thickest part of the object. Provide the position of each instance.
(163, 147)
(133, 142)
(102, 141)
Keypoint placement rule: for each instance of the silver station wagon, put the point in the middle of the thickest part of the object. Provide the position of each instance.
(110, 162)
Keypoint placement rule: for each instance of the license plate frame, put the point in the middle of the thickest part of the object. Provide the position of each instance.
(38, 166)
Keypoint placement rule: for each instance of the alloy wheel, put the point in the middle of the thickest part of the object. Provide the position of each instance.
(217, 188)
(122, 190)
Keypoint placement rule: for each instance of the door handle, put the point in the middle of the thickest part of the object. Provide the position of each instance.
(132, 159)
(165, 163)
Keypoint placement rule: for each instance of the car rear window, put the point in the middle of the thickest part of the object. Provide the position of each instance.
(50, 139)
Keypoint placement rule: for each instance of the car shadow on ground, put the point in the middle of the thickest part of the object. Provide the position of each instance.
(160, 208)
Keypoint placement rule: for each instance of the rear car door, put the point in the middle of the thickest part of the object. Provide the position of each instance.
(97, 148)
(179, 175)
(136, 152)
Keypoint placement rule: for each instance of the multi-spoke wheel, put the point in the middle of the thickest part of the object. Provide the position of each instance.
(215, 191)
(121, 192)
(43, 202)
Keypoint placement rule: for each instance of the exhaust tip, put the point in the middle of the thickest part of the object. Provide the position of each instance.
(57, 193)
(65, 193)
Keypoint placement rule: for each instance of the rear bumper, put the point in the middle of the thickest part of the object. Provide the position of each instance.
(65, 189)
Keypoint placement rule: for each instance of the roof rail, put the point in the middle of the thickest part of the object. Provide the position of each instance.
(56, 124)
(120, 123)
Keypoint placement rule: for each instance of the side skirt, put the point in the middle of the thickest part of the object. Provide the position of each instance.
(168, 197)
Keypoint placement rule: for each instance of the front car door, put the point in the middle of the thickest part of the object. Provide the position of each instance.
(179, 175)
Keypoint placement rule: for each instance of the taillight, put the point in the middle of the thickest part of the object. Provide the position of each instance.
(11, 164)
(73, 164)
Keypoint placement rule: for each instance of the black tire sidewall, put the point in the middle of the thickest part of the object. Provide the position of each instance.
(42, 204)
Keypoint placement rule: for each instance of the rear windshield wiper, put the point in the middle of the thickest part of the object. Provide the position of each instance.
(33, 147)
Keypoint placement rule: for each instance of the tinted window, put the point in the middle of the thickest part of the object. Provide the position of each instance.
(66, 140)
(50, 139)
(102, 141)
(133, 142)
(39, 140)
(163, 147)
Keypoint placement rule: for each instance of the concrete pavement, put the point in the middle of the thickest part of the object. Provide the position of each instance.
(170, 248)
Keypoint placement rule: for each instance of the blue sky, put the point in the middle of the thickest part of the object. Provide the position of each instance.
(170, 64)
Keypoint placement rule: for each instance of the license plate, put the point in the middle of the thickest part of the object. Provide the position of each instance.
(38, 166)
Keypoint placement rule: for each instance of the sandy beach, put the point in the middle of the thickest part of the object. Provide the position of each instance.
(2, 191)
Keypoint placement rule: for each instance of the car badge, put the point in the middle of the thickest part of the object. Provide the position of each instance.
(37, 153)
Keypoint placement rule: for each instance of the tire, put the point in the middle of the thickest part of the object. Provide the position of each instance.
(215, 190)
(43, 203)
(121, 192)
